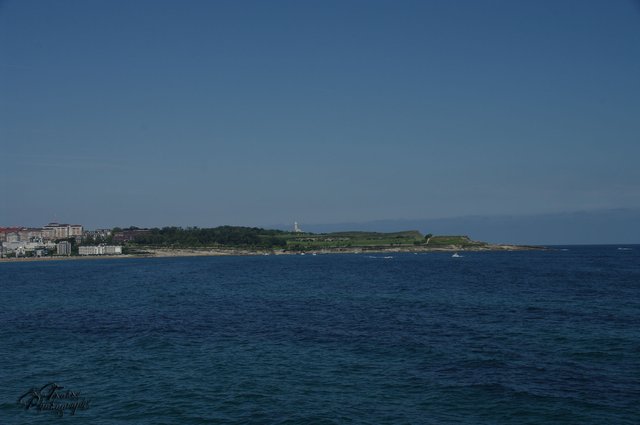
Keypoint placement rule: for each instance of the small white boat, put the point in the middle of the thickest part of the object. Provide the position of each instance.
(456, 255)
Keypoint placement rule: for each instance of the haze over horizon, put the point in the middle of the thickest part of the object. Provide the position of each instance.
(155, 113)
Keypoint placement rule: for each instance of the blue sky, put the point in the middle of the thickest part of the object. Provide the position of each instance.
(205, 113)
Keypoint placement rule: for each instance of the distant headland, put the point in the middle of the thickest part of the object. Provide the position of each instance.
(56, 241)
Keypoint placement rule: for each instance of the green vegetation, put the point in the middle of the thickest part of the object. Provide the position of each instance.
(371, 240)
(462, 241)
(375, 240)
(224, 236)
(96, 240)
(258, 238)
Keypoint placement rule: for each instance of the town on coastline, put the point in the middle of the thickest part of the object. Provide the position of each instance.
(56, 239)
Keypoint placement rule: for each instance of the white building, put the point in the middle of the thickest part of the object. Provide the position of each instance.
(100, 250)
(30, 234)
(61, 231)
(75, 229)
(112, 250)
(22, 247)
(90, 250)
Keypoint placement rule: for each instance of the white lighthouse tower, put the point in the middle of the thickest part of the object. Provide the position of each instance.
(296, 228)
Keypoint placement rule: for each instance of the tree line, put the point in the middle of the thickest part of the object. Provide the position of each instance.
(232, 236)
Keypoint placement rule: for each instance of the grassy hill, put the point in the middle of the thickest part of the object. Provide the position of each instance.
(372, 240)
(232, 237)
(462, 241)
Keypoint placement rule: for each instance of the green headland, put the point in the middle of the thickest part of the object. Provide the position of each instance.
(248, 240)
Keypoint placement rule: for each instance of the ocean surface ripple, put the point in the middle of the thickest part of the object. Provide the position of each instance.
(490, 338)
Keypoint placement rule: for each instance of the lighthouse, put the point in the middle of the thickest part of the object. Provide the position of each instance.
(296, 228)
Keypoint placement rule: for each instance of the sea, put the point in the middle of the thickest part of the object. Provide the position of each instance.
(525, 337)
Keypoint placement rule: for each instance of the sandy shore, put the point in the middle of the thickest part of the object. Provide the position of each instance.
(63, 258)
(185, 252)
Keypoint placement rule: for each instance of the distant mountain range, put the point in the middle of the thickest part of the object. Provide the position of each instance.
(615, 226)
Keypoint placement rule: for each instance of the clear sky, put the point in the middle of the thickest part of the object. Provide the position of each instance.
(205, 113)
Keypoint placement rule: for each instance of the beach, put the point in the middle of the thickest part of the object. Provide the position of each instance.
(214, 252)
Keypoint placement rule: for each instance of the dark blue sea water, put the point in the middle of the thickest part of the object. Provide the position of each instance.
(490, 338)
